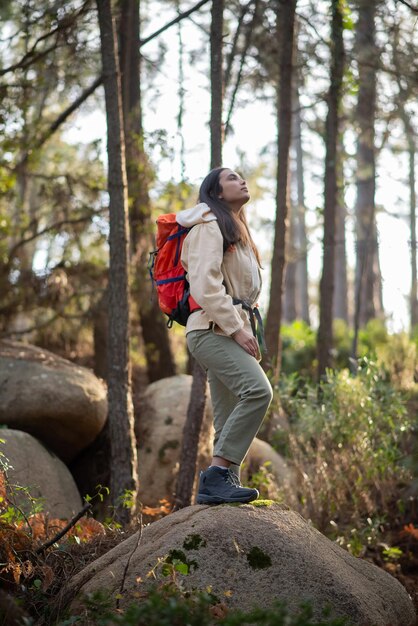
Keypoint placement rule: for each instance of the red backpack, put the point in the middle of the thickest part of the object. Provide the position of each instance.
(167, 272)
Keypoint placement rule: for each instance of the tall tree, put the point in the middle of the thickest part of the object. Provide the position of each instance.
(340, 303)
(285, 33)
(367, 279)
(290, 305)
(197, 402)
(404, 96)
(324, 342)
(160, 362)
(123, 476)
(216, 82)
(302, 265)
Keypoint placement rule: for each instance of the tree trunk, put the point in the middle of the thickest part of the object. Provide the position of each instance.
(216, 81)
(413, 297)
(160, 362)
(403, 97)
(191, 435)
(290, 312)
(100, 319)
(340, 307)
(285, 24)
(121, 423)
(324, 343)
(367, 299)
(196, 408)
(302, 266)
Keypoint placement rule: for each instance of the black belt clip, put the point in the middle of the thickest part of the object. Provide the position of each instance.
(256, 322)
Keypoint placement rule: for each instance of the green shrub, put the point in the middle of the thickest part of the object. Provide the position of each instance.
(372, 336)
(398, 357)
(298, 348)
(396, 353)
(347, 448)
(172, 606)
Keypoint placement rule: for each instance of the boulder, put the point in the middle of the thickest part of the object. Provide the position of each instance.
(62, 404)
(162, 413)
(258, 554)
(30, 465)
(260, 453)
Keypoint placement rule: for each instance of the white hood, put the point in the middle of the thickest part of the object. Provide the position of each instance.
(196, 215)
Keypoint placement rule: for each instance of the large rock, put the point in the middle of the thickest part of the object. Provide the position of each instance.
(259, 554)
(62, 404)
(36, 469)
(262, 453)
(162, 415)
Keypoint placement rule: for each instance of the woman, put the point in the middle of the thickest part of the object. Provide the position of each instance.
(222, 265)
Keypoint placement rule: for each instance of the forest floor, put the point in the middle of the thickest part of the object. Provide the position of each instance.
(406, 568)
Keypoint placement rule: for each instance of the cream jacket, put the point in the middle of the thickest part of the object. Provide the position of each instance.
(214, 277)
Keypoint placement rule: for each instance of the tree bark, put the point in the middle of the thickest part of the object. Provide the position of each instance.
(290, 310)
(302, 266)
(123, 477)
(196, 408)
(403, 97)
(191, 435)
(340, 305)
(413, 296)
(159, 357)
(216, 80)
(285, 24)
(325, 335)
(100, 319)
(367, 300)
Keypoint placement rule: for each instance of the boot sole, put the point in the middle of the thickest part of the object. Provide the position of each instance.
(219, 500)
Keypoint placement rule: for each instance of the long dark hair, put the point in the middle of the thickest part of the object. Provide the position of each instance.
(233, 226)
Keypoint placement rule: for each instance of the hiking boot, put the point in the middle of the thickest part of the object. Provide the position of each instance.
(218, 484)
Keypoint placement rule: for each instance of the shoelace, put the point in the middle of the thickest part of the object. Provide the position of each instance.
(233, 479)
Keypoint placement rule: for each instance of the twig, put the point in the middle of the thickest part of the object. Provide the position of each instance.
(55, 226)
(30, 56)
(180, 17)
(231, 57)
(247, 44)
(414, 9)
(99, 81)
(62, 118)
(125, 571)
(14, 505)
(65, 530)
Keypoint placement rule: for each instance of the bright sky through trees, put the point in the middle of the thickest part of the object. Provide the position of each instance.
(252, 143)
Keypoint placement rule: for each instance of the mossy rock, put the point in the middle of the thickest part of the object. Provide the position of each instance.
(252, 556)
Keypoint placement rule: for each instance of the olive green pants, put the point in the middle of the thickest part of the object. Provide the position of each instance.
(241, 392)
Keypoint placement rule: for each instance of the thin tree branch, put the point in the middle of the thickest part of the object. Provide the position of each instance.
(125, 571)
(28, 60)
(65, 530)
(61, 119)
(30, 329)
(181, 16)
(244, 10)
(247, 43)
(30, 57)
(414, 9)
(47, 229)
(87, 92)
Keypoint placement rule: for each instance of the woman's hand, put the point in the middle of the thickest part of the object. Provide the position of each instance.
(247, 341)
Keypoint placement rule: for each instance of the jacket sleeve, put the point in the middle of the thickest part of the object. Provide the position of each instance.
(202, 257)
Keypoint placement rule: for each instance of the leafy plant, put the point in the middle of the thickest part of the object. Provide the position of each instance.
(265, 482)
(168, 605)
(347, 448)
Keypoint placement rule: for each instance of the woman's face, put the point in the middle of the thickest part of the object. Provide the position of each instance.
(234, 189)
